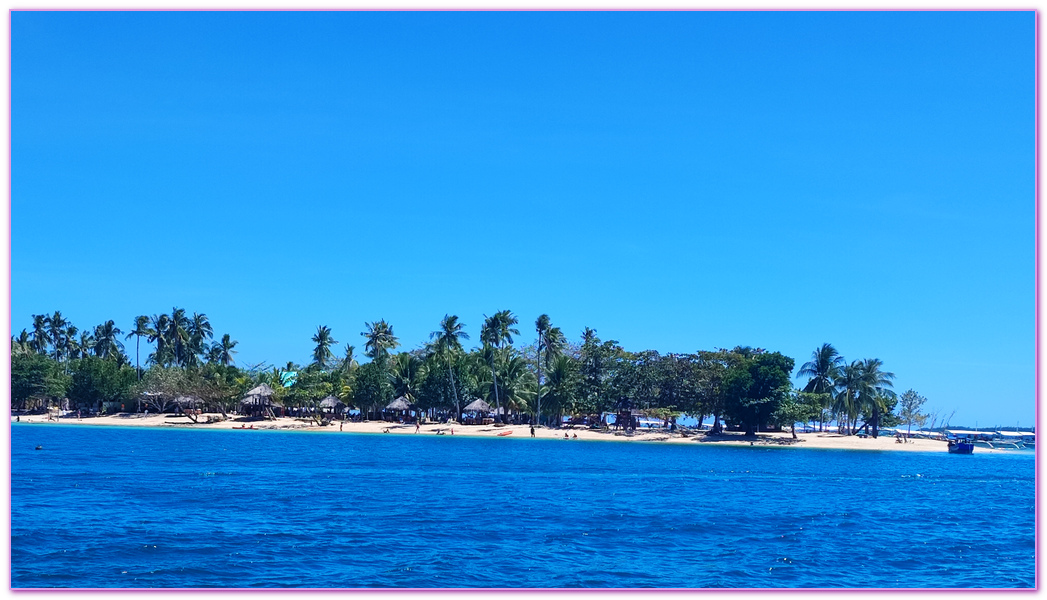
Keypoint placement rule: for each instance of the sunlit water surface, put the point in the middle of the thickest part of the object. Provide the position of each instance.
(129, 507)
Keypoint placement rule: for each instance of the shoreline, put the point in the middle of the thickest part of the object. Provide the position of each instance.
(824, 440)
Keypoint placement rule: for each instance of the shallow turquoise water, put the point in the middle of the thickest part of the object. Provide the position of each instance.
(125, 507)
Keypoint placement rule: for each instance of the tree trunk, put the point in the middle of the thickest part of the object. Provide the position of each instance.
(794, 430)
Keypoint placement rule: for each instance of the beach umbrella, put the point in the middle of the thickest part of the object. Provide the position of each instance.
(478, 405)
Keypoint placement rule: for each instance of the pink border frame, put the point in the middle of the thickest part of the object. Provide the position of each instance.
(1038, 553)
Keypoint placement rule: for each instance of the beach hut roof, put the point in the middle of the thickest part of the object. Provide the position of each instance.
(262, 390)
(478, 405)
(400, 403)
(331, 402)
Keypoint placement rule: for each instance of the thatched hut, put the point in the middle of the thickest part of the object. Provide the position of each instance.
(399, 405)
(332, 405)
(479, 407)
(259, 402)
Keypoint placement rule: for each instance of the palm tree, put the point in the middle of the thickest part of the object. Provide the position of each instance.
(489, 335)
(106, 344)
(322, 352)
(224, 350)
(56, 325)
(823, 369)
(141, 329)
(177, 335)
(41, 339)
(70, 340)
(496, 331)
(541, 325)
(447, 341)
(349, 362)
(848, 384)
(406, 375)
(875, 390)
(380, 339)
(563, 374)
(515, 382)
(85, 345)
(199, 330)
(164, 354)
(21, 346)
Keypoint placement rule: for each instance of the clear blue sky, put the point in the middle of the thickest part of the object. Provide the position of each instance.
(677, 181)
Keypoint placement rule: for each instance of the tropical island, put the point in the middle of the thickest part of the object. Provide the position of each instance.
(595, 389)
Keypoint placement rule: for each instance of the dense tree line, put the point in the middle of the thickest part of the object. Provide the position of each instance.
(744, 388)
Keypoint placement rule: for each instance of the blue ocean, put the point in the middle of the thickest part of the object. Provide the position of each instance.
(173, 508)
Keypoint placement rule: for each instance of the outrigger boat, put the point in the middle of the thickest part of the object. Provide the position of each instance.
(960, 447)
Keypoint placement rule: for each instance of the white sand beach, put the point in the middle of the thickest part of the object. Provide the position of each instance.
(783, 439)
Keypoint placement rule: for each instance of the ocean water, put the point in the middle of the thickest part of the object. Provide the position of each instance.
(133, 508)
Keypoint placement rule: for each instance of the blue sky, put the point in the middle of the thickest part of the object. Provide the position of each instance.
(677, 181)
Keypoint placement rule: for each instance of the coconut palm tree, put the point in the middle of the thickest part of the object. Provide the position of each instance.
(447, 343)
(106, 343)
(823, 369)
(56, 325)
(563, 384)
(86, 344)
(224, 350)
(199, 331)
(323, 340)
(406, 375)
(177, 335)
(20, 345)
(380, 339)
(41, 339)
(141, 330)
(70, 340)
(849, 386)
(553, 340)
(349, 362)
(876, 389)
(164, 354)
(497, 331)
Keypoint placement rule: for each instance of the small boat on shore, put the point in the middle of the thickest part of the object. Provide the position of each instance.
(960, 447)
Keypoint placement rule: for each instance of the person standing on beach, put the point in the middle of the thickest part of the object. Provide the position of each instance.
(417, 426)
(532, 429)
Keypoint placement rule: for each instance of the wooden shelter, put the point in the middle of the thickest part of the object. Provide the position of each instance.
(332, 405)
(481, 408)
(259, 402)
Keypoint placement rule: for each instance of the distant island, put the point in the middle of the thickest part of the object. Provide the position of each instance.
(595, 386)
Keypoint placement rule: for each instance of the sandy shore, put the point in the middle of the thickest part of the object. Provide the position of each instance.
(805, 440)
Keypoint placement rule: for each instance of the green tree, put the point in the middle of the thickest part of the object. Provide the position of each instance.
(406, 376)
(447, 345)
(107, 343)
(41, 338)
(563, 386)
(822, 370)
(372, 389)
(36, 380)
(223, 350)
(141, 329)
(96, 380)
(756, 382)
(323, 340)
(798, 406)
(496, 331)
(56, 325)
(380, 340)
(910, 407)
(199, 331)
